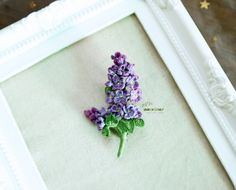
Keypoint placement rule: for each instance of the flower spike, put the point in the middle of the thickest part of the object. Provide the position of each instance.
(123, 92)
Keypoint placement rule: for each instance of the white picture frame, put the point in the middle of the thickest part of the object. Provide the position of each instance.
(192, 64)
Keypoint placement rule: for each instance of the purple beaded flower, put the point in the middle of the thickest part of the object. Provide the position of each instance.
(122, 94)
(96, 116)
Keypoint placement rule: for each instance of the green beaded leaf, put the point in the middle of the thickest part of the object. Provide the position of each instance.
(139, 122)
(121, 126)
(131, 125)
(111, 121)
(107, 89)
(106, 132)
(124, 126)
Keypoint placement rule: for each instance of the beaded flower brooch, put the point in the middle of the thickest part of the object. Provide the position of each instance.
(122, 94)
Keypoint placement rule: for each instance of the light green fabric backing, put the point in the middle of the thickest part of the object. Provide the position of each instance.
(47, 100)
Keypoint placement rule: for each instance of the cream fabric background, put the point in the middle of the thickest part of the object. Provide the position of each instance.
(48, 100)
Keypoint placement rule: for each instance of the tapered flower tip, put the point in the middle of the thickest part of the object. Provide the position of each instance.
(87, 113)
(118, 58)
(116, 55)
(94, 109)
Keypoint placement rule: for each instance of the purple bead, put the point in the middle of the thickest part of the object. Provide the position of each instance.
(117, 54)
(136, 85)
(119, 85)
(120, 70)
(103, 112)
(110, 96)
(129, 69)
(135, 95)
(113, 69)
(119, 97)
(108, 83)
(130, 111)
(100, 123)
(118, 58)
(116, 109)
(115, 79)
(87, 113)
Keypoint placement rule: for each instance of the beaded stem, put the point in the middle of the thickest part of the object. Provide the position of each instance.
(122, 144)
